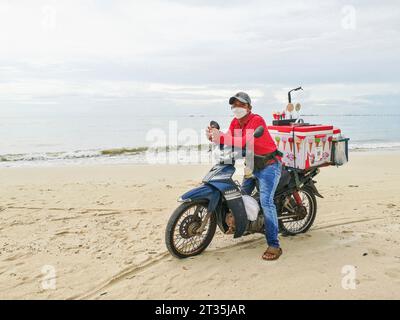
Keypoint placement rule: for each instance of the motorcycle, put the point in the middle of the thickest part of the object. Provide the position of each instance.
(193, 224)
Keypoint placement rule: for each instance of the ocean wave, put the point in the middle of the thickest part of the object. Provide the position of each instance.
(48, 156)
(119, 151)
(103, 153)
(374, 146)
(137, 154)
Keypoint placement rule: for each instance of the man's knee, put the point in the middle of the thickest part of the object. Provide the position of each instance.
(268, 207)
(267, 200)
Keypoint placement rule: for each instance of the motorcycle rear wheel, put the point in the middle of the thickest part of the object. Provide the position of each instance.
(180, 237)
(294, 227)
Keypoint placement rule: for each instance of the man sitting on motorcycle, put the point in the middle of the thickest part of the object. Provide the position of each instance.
(267, 174)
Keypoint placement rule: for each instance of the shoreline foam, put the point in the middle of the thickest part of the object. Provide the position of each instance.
(137, 155)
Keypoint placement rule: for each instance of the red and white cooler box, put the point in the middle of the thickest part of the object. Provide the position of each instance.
(304, 146)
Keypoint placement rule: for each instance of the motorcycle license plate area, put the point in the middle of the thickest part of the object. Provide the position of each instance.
(304, 146)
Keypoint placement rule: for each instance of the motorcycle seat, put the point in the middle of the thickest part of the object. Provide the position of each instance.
(284, 180)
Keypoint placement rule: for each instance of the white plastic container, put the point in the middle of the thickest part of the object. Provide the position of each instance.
(251, 206)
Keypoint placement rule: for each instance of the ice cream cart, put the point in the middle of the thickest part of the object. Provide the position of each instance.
(307, 145)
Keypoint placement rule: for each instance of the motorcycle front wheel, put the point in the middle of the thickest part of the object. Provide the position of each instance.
(181, 235)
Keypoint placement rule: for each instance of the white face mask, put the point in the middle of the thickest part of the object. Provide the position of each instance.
(239, 113)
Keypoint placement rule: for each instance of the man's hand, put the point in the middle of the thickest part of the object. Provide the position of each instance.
(213, 134)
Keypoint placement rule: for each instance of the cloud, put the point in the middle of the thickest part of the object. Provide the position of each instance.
(197, 52)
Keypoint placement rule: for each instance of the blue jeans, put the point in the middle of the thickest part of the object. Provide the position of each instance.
(268, 179)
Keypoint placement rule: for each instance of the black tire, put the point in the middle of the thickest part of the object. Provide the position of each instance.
(172, 222)
(310, 217)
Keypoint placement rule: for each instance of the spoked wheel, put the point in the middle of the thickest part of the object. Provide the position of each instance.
(304, 216)
(183, 236)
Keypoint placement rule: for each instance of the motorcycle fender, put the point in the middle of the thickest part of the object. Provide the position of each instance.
(235, 203)
(212, 192)
(314, 188)
(213, 195)
(206, 192)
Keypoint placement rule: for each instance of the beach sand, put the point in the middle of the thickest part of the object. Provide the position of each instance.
(97, 232)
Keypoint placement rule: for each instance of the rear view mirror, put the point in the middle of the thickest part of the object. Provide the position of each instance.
(258, 132)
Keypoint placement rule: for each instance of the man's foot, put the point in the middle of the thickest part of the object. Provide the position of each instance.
(272, 253)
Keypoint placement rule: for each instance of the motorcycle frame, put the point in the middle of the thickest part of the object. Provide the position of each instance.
(224, 194)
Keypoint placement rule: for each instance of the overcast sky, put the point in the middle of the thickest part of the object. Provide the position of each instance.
(195, 54)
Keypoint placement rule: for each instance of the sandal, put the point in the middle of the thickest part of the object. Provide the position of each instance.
(272, 254)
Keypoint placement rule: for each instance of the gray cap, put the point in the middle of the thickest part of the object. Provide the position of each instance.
(242, 97)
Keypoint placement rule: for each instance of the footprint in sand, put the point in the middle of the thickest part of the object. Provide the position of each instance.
(393, 273)
(171, 290)
(375, 252)
(347, 231)
(367, 278)
(305, 236)
(366, 236)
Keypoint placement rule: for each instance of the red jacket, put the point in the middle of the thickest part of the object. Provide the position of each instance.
(241, 132)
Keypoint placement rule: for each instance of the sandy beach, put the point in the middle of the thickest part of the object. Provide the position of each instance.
(100, 231)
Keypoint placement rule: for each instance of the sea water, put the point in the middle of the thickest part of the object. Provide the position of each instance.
(118, 136)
